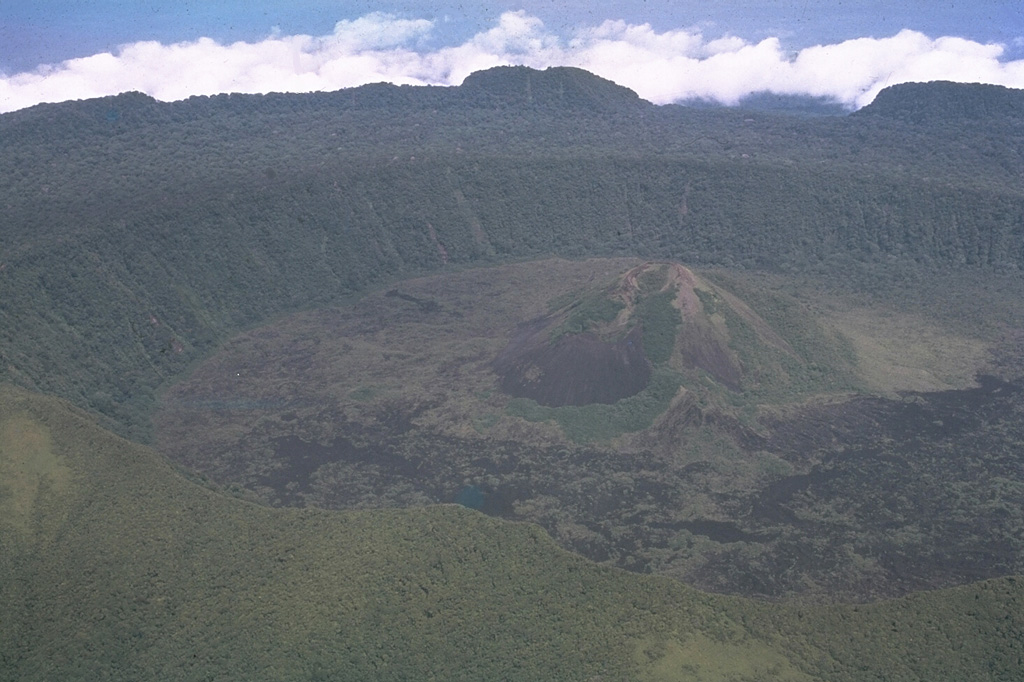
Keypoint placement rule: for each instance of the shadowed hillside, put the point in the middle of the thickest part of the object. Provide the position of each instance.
(949, 104)
(558, 87)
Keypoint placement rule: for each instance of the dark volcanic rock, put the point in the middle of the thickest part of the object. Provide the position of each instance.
(574, 369)
(702, 349)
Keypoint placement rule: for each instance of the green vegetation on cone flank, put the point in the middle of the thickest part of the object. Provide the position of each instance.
(587, 313)
(659, 320)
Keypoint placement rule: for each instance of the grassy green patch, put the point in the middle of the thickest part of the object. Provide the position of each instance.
(484, 422)
(713, 660)
(589, 312)
(660, 320)
(708, 301)
(815, 359)
(363, 393)
(28, 468)
(598, 422)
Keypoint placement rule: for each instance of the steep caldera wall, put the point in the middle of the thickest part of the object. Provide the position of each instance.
(137, 235)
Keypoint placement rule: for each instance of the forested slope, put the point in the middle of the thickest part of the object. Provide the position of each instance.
(136, 234)
(115, 568)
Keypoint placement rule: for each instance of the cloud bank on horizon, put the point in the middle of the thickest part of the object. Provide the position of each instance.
(662, 67)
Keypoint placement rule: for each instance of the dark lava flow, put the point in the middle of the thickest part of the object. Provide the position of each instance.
(908, 485)
(574, 369)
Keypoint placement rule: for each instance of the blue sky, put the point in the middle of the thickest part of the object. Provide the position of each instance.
(764, 43)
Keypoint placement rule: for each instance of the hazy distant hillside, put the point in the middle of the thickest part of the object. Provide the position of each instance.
(949, 104)
(559, 88)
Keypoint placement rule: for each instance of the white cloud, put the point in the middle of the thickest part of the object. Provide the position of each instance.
(673, 66)
(377, 31)
(662, 67)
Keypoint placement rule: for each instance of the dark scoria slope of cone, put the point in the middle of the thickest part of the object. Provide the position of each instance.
(574, 369)
(701, 348)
